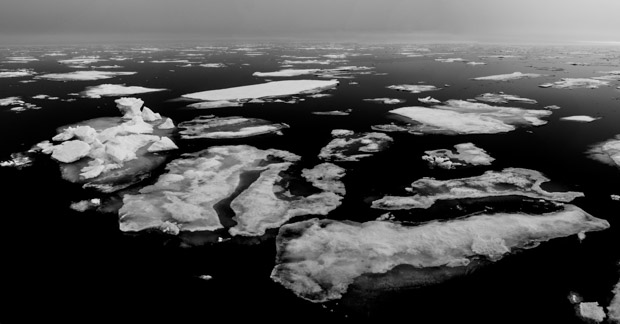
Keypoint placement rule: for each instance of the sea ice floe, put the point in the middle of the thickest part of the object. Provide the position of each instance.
(44, 97)
(508, 182)
(450, 60)
(508, 77)
(607, 152)
(613, 310)
(466, 154)
(215, 104)
(213, 65)
(319, 259)
(318, 62)
(185, 198)
(82, 75)
(464, 117)
(350, 146)
(503, 98)
(11, 101)
(413, 88)
(387, 101)
(580, 118)
(265, 90)
(20, 59)
(286, 73)
(84, 205)
(476, 63)
(19, 73)
(429, 100)
(592, 311)
(18, 161)
(115, 90)
(572, 83)
(110, 153)
(227, 127)
(333, 112)
(81, 61)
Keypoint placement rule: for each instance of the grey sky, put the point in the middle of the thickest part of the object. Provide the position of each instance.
(493, 20)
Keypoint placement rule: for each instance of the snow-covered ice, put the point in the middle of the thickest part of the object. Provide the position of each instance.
(503, 98)
(319, 259)
(82, 75)
(19, 73)
(607, 152)
(115, 90)
(215, 104)
(466, 154)
(227, 127)
(285, 73)
(413, 88)
(350, 146)
(508, 77)
(429, 100)
(387, 101)
(580, 118)
(265, 90)
(573, 83)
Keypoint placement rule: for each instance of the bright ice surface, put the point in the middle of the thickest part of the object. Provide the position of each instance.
(265, 90)
(81, 60)
(413, 88)
(464, 117)
(450, 60)
(572, 83)
(285, 73)
(82, 75)
(115, 90)
(429, 100)
(613, 310)
(508, 77)
(580, 118)
(226, 127)
(607, 152)
(213, 65)
(16, 73)
(350, 146)
(466, 154)
(184, 198)
(592, 311)
(508, 182)
(319, 259)
(503, 98)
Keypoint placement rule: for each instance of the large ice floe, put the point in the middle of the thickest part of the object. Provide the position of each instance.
(185, 198)
(414, 88)
(112, 153)
(573, 83)
(580, 118)
(613, 310)
(82, 75)
(508, 182)
(508, 77)
(464, 117)
(215, 104)
(350, 146)
(319, 259)
(466, 154)
(503, 98)
(227, 127)
(264, 90)
(607, 152)
(115, 90)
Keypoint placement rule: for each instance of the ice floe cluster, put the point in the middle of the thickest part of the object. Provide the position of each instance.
(464, 117)
(508, 182)
(319, 259)
(184, 198)
(466, 154)
(107, 153)
(350, 146)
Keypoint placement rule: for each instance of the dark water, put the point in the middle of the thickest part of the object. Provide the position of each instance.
(61, 265)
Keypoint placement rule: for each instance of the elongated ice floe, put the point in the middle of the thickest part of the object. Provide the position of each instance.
(386, 101)
(450, 60)
(429, 100)
(227, 127)
(19, 73)
(503, 98)
(115, 90)
(81, 60)
(185, 198)
(414, 88)
(464, 117)
(580, 118)
(215, 104)
(573, 83)
(466, 154)
(319, 259)
(265, 90)
(508, 182)
(508, 77)
(350, 146)
(607, 152)
(285, 73)
(82, 75)
(111, 153)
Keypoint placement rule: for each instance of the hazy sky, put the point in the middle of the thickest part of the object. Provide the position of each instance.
(486, 20)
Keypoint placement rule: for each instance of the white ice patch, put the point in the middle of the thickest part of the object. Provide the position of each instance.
(386, 101)
(580, 118)
(350, 146)
(82, 75)
(466, 154)
(573, 83)
(503, 98)
(508, 77)
(285, 73)
(115, 90)
(429, 100)
(413, 88)
(215, 104)
(20, 73)
(264, 90)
